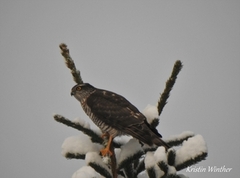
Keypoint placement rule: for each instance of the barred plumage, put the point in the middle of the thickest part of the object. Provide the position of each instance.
(115, 115)
(104, 128)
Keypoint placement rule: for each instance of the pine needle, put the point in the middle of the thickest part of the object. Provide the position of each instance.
(169, 85)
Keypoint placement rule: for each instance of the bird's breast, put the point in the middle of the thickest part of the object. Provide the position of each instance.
(105, 128)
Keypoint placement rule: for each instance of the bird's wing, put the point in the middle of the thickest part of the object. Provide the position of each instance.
(113, 109)
(117, 112)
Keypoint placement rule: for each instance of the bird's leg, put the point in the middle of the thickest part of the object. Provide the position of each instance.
(107, 149)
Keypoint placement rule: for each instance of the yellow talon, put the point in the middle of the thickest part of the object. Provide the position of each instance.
(107, 151)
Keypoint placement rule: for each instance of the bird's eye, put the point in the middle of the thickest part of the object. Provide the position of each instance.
(78, 88)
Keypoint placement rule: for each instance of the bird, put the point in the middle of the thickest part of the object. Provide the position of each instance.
(115, 116)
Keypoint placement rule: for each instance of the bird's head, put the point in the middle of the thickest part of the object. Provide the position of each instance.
(80, 91)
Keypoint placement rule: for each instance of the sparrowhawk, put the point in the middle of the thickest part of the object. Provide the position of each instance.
(115, 115)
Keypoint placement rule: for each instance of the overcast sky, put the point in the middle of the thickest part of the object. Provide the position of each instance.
(128, 47)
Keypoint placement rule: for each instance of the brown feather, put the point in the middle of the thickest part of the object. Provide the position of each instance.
(115, 114)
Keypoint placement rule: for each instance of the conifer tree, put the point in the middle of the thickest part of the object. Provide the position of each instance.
(131, 159)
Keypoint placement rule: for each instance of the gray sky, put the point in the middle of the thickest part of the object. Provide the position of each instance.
(128, 47)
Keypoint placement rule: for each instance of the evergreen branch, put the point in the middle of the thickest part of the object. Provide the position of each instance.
(151, 172)
(121, 173)
(150, 165)
(130, 152)
(191, 161)
(70, 63)
(94, 136)
(100, 170)
(94, 160)
(171, 157)
(140, 167)
(163, 166)
(74, 156)
(146, 149)
(154, 123)
(172, 176)
(192, 151)
(169, 85)
(129, 171)
(116, 144)
(129, 160)
(178, 139)
(136, 163)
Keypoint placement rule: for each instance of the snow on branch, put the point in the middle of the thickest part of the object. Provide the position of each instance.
(140, 167)
(78, 146)
(176, 140)
(130, 159)
(192, 151)
(129, 152)
(86, 172)
(95, 161)
(151, 113)
(161, 159)
(151, 167)
(157, 165)
(85, 128)
(77, 125)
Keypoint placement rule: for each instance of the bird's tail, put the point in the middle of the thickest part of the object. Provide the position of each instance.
(159, 142)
